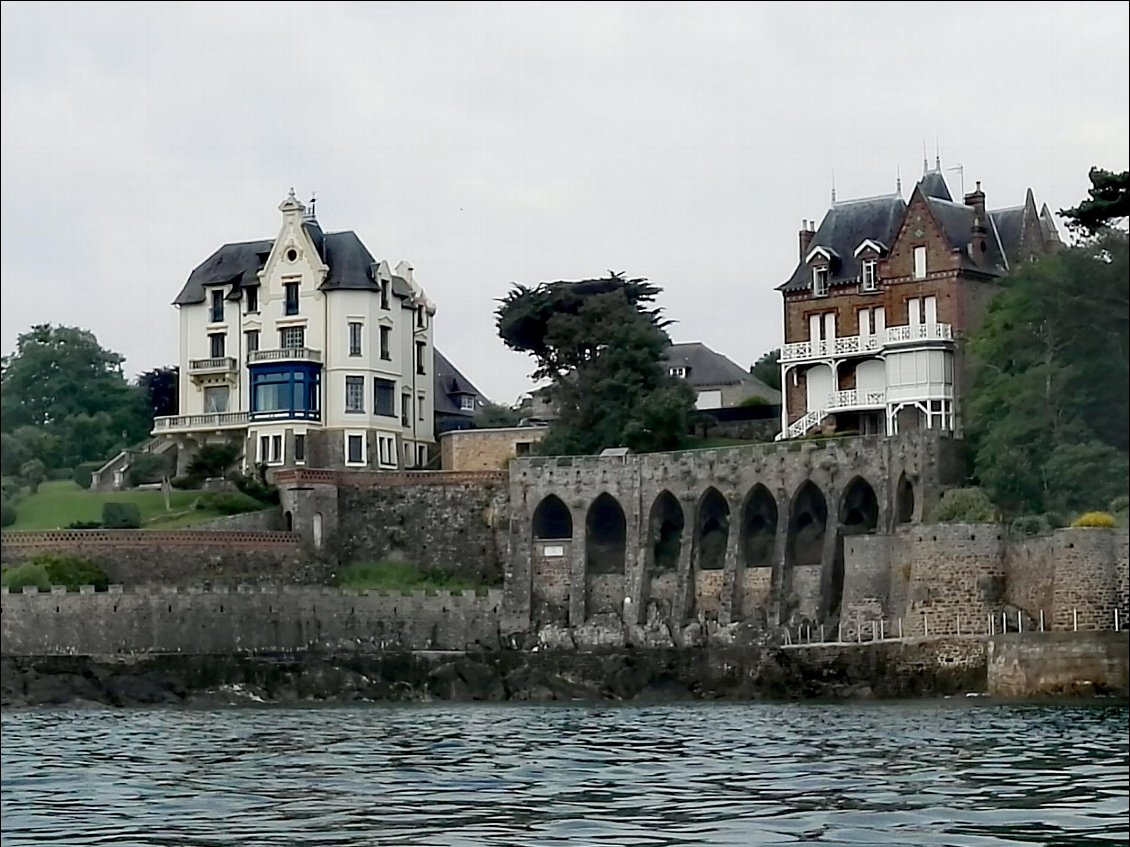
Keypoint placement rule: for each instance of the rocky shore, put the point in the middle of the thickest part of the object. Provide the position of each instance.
(882, 670)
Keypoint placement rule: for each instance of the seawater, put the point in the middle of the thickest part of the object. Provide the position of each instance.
(938, 773)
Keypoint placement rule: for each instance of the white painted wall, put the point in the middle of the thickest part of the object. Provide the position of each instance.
(820, 383)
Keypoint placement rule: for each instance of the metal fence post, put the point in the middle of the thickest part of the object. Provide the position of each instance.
(1041, 620)
(1074, 620)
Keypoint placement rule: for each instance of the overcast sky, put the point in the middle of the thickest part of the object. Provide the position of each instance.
(489, 144)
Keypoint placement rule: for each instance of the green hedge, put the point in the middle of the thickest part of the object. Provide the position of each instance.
(121, 516)
(83, 474)
(228, 502)
(47, 569)
(7, 513)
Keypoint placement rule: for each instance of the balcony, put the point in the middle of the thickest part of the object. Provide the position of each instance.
(195, 423)
(854, 399)
(864, 345)
(285, 354)
(220, 366)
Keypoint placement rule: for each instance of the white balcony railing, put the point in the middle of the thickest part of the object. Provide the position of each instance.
(862, 345)
(212, 420)
(855, 399)
(285, 354)
(213, 365)
(919, 332)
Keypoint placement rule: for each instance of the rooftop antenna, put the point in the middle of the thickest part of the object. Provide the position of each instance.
(313, 200)
(937, 156)
(961, 175)
(898, 180)
(833, 186)
(925, 162)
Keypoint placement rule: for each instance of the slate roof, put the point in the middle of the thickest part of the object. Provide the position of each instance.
(450, 383)
(707, 368)
(1009, 224)
(956, 220)
(933, 184)
(845, 226)
(350, 266)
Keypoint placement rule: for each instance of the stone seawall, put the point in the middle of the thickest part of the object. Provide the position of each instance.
(177, 557)
(1047, 664)
(271, 618)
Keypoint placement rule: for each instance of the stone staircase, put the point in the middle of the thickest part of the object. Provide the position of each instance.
(111, 476)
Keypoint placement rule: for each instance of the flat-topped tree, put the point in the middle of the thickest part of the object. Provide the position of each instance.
(601, 343)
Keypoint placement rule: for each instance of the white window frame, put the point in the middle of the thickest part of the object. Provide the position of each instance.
(350, 433)
(386, 451)
(869, 275)
(270, 449)
(467, 403)
(820, 282)
(677, 372)
(305, 446)
(359, 409)
(920, 269)
(422, 406)
(300, 329)
(359, 327)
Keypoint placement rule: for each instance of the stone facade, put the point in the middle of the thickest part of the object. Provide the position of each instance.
(1057, 663)
(486, 449)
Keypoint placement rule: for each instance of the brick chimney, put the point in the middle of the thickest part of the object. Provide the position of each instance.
(978, 236)
(807, 233)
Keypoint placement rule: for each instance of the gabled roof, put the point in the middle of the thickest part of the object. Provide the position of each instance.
(449, 383)
(349, 260)
(956, 220)
(845, 226)
(707, 368)
(933, 184)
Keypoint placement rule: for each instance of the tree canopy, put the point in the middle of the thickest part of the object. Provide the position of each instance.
(64, 399)
(601, 342)
(1108, 201)
(1049, 414)
(768, 368)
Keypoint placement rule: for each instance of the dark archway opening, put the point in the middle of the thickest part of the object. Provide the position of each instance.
(759, 528)
(807, 524)
(904, 500)
(552, 519)
(606, 534)
(859, 515)
(665, 528)
(289, 522)
(713, 530)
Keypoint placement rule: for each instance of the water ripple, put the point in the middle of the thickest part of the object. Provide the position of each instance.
(968, 775)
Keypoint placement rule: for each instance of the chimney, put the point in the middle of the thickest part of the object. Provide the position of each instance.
(978, 237)
(807, 233)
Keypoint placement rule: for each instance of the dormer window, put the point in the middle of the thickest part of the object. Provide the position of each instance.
(681, 373)
(467, 403)
(384, 294)
(868, 275)
(820, 282)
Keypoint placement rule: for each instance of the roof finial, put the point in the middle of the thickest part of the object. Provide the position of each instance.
(833, 186)
(925, 161)
(290, 196)
(898, 180)
(937, 156)
(313, 200)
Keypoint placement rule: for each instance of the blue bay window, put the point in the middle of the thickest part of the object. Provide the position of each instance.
(289, 390)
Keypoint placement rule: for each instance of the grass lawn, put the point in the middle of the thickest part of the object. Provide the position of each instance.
(57, 504)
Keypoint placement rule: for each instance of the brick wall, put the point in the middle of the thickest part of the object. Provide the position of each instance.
(708, 593)
(605, 593)
(757, 584)
(805, 590)
(266, 618)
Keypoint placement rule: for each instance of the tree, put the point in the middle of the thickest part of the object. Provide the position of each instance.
(1108, 202)
(162, 390)
(71, 392)
(490, 415)
(1049, 413)
(601, 342)
(33, 472)
(768, 368)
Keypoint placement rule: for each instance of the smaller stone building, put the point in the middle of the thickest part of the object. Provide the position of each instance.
(487, 449)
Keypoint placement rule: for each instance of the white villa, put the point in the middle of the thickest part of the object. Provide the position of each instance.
(306, 349)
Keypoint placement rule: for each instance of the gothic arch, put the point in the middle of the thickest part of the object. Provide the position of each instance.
(712, 530)
(552, 520)
(606, 536)
(759, 527)
(665, 532)
(808, 521)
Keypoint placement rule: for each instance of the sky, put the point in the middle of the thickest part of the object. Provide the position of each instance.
(490, 144)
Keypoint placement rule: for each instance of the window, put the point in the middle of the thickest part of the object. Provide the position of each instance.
(251, 340)
(216, 313)
(819, 282)
(386, 340)
(291, 289)
(216, 344)
(252, 299)
(270, 449)
(276, 448)
(421, 317)
(386, 451)
(292, 337)
(384, 294)
(522, 448)
(919, 262)
(422, 405)
(215, 399)
(868, 278)
(679, 372)
(406, 410)
(354, 339)
(354, 449)
(300, 449)
(264, 447)
(467, 403)
(421, 455)
(354, 394)
(286, 391)
(421, 351)
(384, 397)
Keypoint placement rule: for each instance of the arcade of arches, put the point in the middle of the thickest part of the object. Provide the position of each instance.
(762, 558)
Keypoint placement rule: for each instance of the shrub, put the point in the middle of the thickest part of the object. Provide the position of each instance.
(228, 502)
(147, 467)
(255, 487)
(11, 488)
(212, 460)
(84, 525)
(184, 483)
(1121, 503)
(7, 512)
(24, 575)
(966, 505)
(121, 516)
(1094, 520)
(84, 473)
(1054, 520)
(57, 474)
(33, 472)
(1029, 525)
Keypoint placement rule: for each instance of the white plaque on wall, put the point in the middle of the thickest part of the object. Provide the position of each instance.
(552, 551)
